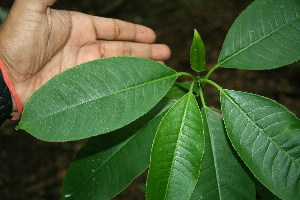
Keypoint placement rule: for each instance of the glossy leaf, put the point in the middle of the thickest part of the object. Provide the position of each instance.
(108, 163)
(267, 137)
(95, 98)
(221, 175)
(179, 89)
(177, 152)
(197, 53)
(176, 92)
(265, 36)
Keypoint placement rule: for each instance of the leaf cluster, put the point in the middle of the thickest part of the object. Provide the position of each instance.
(141, 118)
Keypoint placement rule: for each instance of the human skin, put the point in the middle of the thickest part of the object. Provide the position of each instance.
(37, 43)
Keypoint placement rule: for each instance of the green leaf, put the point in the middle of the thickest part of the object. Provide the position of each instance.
(197, 53)
(263, 192)
(221, 175)
(176, 92)
(265, 36)
(95, 98)
(177, 152)
(267, 137)
(108, 163)
(179, 89)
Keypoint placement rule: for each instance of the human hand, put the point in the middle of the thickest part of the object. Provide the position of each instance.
(37, 43)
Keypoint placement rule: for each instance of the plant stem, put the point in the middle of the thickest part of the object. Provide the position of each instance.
(216, 110)
(202, 97)
(192, 86)
(201, 93)
(212, 83)
(211, 71)
(187, 74)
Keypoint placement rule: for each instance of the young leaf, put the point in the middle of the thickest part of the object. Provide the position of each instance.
(197, 53)
(265, 36)
(108, 163)
(267, 137)
(177, 152)
(95, 98)
(221, 175)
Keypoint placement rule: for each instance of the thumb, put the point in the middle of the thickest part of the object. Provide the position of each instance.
(24, 12)
(34, 5)
(28, 10)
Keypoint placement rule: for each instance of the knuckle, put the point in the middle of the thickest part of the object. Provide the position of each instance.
(127, 49)
(117, 29)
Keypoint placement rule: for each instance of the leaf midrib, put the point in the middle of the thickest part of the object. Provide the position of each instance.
(261, 131)
(256, 41)
(175, 152)
(213, 152)
(99, 97)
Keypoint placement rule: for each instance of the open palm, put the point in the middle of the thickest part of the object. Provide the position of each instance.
(37, 42)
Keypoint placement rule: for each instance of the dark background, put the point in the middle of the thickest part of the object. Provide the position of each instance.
(33, 169)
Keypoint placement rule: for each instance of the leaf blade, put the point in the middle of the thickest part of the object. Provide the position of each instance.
(177, 152)
(267, 137)
(90, 175)
(221, 175)
(264, 36)
(197, 53)
(101, 90)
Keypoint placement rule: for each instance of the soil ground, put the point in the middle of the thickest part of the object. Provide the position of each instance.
(33, 169)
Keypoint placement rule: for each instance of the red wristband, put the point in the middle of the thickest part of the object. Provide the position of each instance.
(12, 91)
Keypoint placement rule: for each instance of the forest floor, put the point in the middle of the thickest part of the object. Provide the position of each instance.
(31, 169)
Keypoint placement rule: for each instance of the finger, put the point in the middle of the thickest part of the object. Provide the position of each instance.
(103, 49)
(113, 29)
(151, 51)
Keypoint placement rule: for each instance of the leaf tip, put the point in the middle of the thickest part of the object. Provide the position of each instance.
(197, 53)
